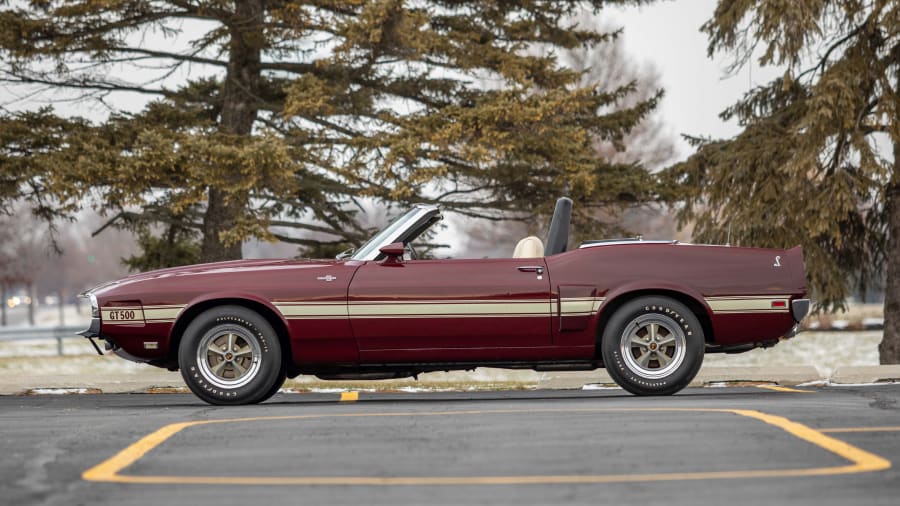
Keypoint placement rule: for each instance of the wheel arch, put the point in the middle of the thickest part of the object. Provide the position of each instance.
(263, 308)
(693, 302)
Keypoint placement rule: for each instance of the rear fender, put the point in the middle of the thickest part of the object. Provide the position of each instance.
(684, 294)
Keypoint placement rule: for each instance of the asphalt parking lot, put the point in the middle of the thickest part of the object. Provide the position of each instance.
(736, 445)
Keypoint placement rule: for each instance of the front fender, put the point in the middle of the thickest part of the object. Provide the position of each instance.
(205, 301)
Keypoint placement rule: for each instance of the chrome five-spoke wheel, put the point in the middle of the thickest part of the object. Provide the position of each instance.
(228, 356)
(653, 345)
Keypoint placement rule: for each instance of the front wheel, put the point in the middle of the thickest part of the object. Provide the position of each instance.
(653, 346)
(231, 355)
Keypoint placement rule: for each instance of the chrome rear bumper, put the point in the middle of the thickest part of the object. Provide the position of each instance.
(799, 309)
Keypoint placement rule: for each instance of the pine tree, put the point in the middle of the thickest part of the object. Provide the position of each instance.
(818, 160)
(295, 110)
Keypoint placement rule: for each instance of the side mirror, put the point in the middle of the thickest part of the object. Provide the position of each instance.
(394, 252)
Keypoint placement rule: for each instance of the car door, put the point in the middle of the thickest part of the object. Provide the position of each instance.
(444, 310)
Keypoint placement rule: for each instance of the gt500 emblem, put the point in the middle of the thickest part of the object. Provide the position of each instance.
(777, 261)
(121, 315)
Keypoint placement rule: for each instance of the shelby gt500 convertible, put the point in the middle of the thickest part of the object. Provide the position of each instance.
(647, 311)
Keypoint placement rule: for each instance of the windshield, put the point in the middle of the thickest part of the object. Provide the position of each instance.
(377, 242)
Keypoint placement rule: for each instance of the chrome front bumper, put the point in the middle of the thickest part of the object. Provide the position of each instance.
(94, 329)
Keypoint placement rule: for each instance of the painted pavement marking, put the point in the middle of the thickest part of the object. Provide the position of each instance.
(860, 460)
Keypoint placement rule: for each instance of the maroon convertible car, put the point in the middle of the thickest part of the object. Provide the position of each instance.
(647, 311)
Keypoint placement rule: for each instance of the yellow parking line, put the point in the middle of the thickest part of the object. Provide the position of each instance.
(860, 429)
(861, 461)
(349, 396)
(785, 389)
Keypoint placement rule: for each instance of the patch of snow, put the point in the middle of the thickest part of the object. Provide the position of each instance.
(816, 383)
(878, 383)
(58, 391)
(840, 324)
(597, 386)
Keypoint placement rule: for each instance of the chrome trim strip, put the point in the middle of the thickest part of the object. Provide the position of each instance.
(623, 241)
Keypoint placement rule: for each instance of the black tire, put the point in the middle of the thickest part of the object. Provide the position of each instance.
(653, 361)
(242, 363)
(279, 382)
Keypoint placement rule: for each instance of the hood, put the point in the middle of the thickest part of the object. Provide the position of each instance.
(215, 267)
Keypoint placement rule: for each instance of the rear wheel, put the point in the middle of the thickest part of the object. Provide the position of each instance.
(653, 346)
(231, 355)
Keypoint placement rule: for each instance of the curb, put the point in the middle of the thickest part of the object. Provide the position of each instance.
(785, 376)
(153, 381)
(865, 374)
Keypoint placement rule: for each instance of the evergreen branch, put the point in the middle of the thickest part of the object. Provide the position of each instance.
(196, 9)
(153, 218)
(305, 226)
(305, 242)
(192, 58)
(81, 85)
(823, 61)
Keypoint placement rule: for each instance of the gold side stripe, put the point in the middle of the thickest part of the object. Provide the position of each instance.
(155, 314)
(308, 303)
(141, 313)
(574, 306)
(581, 306)
(316, 317)
(449, 315)
(529, 307)
(749, 297)
(750, 311)
(332, 310)
(413, 302)
(748, 304)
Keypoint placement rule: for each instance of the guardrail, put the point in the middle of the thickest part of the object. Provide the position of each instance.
(33, 333)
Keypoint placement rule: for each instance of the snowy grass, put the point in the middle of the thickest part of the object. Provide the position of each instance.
(824, 350)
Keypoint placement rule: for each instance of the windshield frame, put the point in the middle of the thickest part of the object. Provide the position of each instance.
(398, 231)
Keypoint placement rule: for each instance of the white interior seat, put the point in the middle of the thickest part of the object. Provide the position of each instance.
(529, 247)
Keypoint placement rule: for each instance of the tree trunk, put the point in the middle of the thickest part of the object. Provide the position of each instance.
(889, 349)
(220, 216)
(33, 303)
(239, 109)
(3, 297)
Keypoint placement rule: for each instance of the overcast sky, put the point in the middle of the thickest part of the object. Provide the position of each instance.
(667, 35)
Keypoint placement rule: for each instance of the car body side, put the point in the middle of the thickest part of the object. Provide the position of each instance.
(323, 310)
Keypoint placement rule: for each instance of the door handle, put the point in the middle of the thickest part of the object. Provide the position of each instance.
(539, 269)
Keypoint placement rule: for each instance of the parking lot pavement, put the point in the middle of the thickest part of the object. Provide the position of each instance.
(735, 445)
